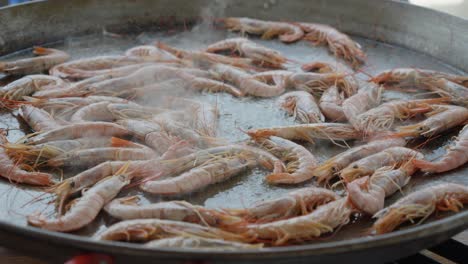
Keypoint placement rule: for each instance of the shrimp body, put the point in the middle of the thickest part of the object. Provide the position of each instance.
(150, 53)
(331, 104)
(10, 170)
(198, 178)
(330, 168)
(340, 44)
(307, 132)
(413, 77)
(247, 83)
(90, 67)
(29, 84)
(127, 208)
(421, 204)
(86, 208)
(299, 161)
(295, 203)
(199, 243)
(368, 194)
(246, 48)
(441, 118)
(286, 32)
(302, 106)
(366, 98)
(47, 59)
(323, 220)
(149, 229)
(382, 117)
(94, 156)
(368, 165)
(85, 129)
(456, 156)
(38, 119)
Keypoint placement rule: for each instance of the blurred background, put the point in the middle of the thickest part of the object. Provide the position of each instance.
(454, 7)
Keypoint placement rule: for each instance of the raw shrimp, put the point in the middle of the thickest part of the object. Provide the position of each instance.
(307, 132)
(456, 156)
(331, 103)
(340, 44)
(150, 53)
(108, 111)
(89, 67)
(382, 117)
(93, 112)
(457, 93)
(300, 163)
(366, 98)
(30, 84)
(302, 106)
(441, 118)
(204, 115)
(421, 204)
(205, 60)
(323, 67)
(38, 119)
(368, 194)
(10, 169)
(199, 243)
(330, 168)
(47, 58)
(286, 32)
(216, 171)
(86, 208)
(127, 208)
(85, 129)
(248, 83)
(412, 77)
(393, 156)
(203, 157)
(94, 156)
(246, 48)
(120, 111)
(322, 220)
(295, 203)
(149, 229)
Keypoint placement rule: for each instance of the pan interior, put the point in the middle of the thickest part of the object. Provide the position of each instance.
(236, 115)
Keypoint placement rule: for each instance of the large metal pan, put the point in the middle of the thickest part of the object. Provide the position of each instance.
(438, 35)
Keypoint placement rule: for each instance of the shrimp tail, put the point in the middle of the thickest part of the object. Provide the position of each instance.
(280, 178)
(259, 134)
(424, 165)
(36, 219)
(41, 50)
(118, 142)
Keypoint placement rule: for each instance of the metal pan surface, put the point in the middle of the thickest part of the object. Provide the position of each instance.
(389, 43)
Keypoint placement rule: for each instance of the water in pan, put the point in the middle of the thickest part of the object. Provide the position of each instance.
(235, 113)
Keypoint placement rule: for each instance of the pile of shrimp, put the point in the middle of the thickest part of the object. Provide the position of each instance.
(121, 121)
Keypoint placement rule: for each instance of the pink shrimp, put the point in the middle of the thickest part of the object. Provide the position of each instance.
(29, 84)
(302, 106)
(300, 163)
(286, 32)
(332, 167)
(331, 104)
(259, 54)
(295, 203)
(38, 119)
(150, 53)
(10, 170)
(340, 44)
(86, 208)
(367, 97)
(47, 59)
(421, 204)
(456, 156)
(441, 118)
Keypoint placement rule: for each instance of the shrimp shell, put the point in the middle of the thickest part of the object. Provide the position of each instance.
(302, 106)
(368, 165)
(295, 203)
(199, 243)
(299, 161)
(367, 97)
(331, 104)
(421, 204)
(142, 230)
(47, 59)
(330, 168)
(456, 156)
(86, 208)
(29, 84)
(38, 119)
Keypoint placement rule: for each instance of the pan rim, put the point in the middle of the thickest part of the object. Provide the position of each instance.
(460, 220)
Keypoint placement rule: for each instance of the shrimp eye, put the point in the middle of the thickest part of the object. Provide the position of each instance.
(355, 166)
(421, 128)
(72, 184)
(334, 169)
